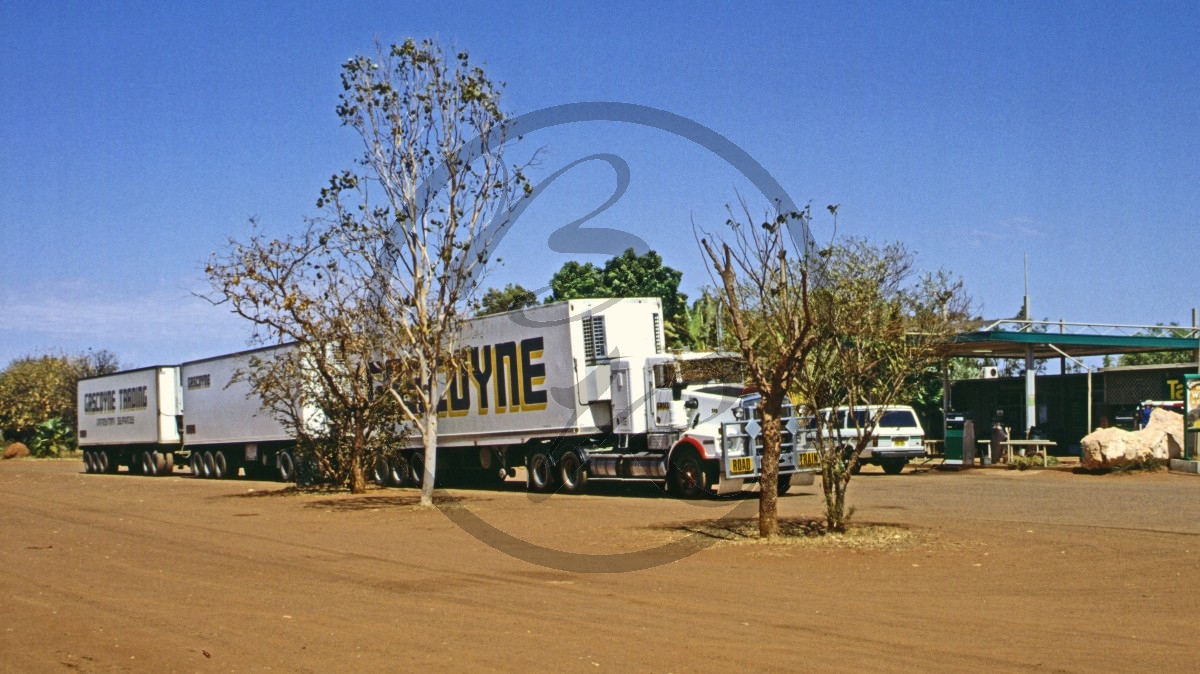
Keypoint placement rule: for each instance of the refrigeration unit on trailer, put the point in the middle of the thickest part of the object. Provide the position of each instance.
(225, 427)
(130, 418)
(585, 389)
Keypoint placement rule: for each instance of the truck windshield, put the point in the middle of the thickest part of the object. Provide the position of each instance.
(714, 370)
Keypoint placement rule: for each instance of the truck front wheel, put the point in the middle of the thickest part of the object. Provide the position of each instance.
(572, 473)
(893, 466)
(687, 476)
(540, 472)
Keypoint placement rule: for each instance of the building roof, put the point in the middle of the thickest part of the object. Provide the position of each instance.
(1010, 338)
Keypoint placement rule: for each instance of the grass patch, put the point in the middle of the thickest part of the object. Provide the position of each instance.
(807, 533)
(1026, 462)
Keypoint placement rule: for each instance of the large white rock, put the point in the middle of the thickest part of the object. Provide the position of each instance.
(1161, 438)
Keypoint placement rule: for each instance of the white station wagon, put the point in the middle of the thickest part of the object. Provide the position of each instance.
(897, 438)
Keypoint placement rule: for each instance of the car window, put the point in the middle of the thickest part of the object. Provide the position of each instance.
(895, 418)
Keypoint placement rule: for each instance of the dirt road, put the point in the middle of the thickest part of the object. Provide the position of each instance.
(995, 571)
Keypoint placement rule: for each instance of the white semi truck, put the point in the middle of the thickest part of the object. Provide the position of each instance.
(572, 391)
(585, 389)
(130, 418)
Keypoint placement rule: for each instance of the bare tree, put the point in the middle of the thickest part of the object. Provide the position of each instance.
(765, 293)
(375, 289)
(314, 290)
(433, 184)
(878, 325)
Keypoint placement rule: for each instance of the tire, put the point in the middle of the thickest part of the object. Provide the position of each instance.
(540, 472)
(223, 467)
(785, 483)
(165, 463)
(572, 473)
(893, 466)
(210, 465)
(135, 462)
(107, 462)
(196, 463)
(687, 477)
(285, 467)
(150, 463)
(398, 471)
(381, 472)
(88, 459)
(416, 469)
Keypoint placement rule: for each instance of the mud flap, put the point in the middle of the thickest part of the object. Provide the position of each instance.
(727, 485)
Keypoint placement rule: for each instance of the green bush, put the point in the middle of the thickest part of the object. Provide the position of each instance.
(51, 438)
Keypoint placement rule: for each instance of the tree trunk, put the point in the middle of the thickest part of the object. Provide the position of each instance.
(768, 480)
(429, 442)
(358, 474)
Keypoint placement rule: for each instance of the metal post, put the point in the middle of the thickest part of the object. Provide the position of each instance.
(1030, 391)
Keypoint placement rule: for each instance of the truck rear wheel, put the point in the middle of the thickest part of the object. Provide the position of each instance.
(572, 473)
(687, 477)
(381, 472)
(398, 471)
(165, 463)
(540, 472)
(416, 469)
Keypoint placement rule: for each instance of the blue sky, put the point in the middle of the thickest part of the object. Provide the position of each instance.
(135, 138)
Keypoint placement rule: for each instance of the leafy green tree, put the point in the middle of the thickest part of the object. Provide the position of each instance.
(1160, 357)
(514, 296)
(38, 388)
(879, 327)
(627, 275)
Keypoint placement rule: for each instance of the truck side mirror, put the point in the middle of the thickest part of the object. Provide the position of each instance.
(691, 404)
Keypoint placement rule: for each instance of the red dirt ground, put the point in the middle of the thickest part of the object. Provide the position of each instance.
(994, 571)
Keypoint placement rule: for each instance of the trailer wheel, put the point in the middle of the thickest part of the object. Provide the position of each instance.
(210, 465)
(381, 473)
(572, 473)
(135, 462)
(416, 469)
(223, 466)
(893, 466)
(286, 467)
(87, 461)
(196, 463)
(687, 475)
(398, 473)
(107, 462)
(785, 483)
(149, 463)
(540, 472)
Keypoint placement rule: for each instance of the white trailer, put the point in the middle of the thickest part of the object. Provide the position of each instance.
(130, 419)
(585, 389)
(225, 427)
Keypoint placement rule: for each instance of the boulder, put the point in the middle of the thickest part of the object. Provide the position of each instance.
(1161, 438)
(16, 450)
